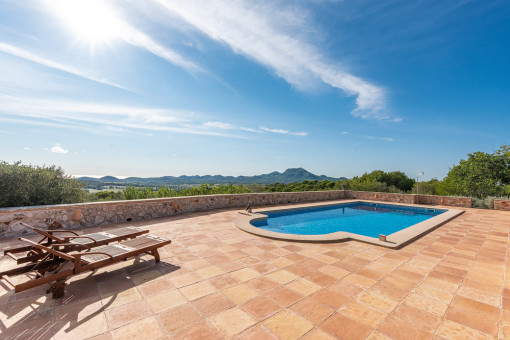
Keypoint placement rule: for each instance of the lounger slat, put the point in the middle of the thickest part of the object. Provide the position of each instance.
(111, 249)
(139, 243)
(125, 231)
(94, 236)
(114, 234)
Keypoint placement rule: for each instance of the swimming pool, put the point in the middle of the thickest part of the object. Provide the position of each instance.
(363, 218)
(365, 221)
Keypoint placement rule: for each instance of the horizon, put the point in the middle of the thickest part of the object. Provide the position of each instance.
(338, 88)
(124, 177)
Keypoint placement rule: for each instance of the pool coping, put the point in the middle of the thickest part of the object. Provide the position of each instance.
(395, 240)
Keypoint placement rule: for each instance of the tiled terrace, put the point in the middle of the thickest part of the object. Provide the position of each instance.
(215, 281)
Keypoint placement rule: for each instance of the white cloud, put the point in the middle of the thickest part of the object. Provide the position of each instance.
(26, 148)
(139, 39)
(58, 149)
(21, 53)
(220, 125)
(249, 129)
(272, 34)
(116, 118)
(284, 132)
(115, 129)
(228, 126)
(345, 133)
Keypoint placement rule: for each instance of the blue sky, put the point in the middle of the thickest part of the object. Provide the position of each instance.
(172, 87)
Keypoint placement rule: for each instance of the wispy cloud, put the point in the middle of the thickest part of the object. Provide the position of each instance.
(271, 33)
(262, 129)
(24, 54)
(249, 129)
(96, 113)
(139, 39)
(116, 118)
(26, 148)
(220, 125)
(65, 113)
(386, 139)
(284, 132)
(57, 148)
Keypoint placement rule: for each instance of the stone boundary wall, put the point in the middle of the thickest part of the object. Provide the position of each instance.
(502, 205)
(97, 213)
(464, 202)
(381, 196)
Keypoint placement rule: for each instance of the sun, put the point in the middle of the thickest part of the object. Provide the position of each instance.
(91, 21)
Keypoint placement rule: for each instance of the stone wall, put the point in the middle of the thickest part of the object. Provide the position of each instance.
(92, 214)
(381, 196)
(502, 205)
(464, 202)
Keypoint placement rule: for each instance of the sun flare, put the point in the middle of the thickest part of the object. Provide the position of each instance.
(92, 21)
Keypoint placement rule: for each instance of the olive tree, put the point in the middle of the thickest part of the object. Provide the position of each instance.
(27, 185)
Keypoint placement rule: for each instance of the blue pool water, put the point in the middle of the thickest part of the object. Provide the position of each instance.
(362, 218)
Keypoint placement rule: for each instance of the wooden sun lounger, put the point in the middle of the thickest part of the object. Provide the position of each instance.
(71, 241)
(51, 268)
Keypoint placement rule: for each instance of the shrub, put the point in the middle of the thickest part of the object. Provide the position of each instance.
(27, 185)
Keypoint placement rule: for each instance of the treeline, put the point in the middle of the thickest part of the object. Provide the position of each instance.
(378, 180)
(481, 176)
(133, 193)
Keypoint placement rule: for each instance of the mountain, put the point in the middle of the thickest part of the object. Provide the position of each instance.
(288, 176)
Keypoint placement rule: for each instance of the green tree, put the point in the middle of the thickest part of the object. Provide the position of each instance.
(399, 180)
(480, 175)
(395, 181)
(428, 187)
(28, 185)
(367, 184)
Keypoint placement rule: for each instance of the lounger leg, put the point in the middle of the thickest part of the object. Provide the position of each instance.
(57, 289)
(155, 253)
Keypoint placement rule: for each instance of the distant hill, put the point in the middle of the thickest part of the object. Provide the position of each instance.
(288, 176)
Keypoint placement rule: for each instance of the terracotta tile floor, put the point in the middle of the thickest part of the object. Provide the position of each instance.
(215, 281)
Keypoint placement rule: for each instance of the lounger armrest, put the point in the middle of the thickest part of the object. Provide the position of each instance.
(49, 249)
(45, 233)
(79, 255)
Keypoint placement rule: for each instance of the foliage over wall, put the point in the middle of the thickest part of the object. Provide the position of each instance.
(314, 185)
(480, 175)
(131, 193)
(27, 185)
